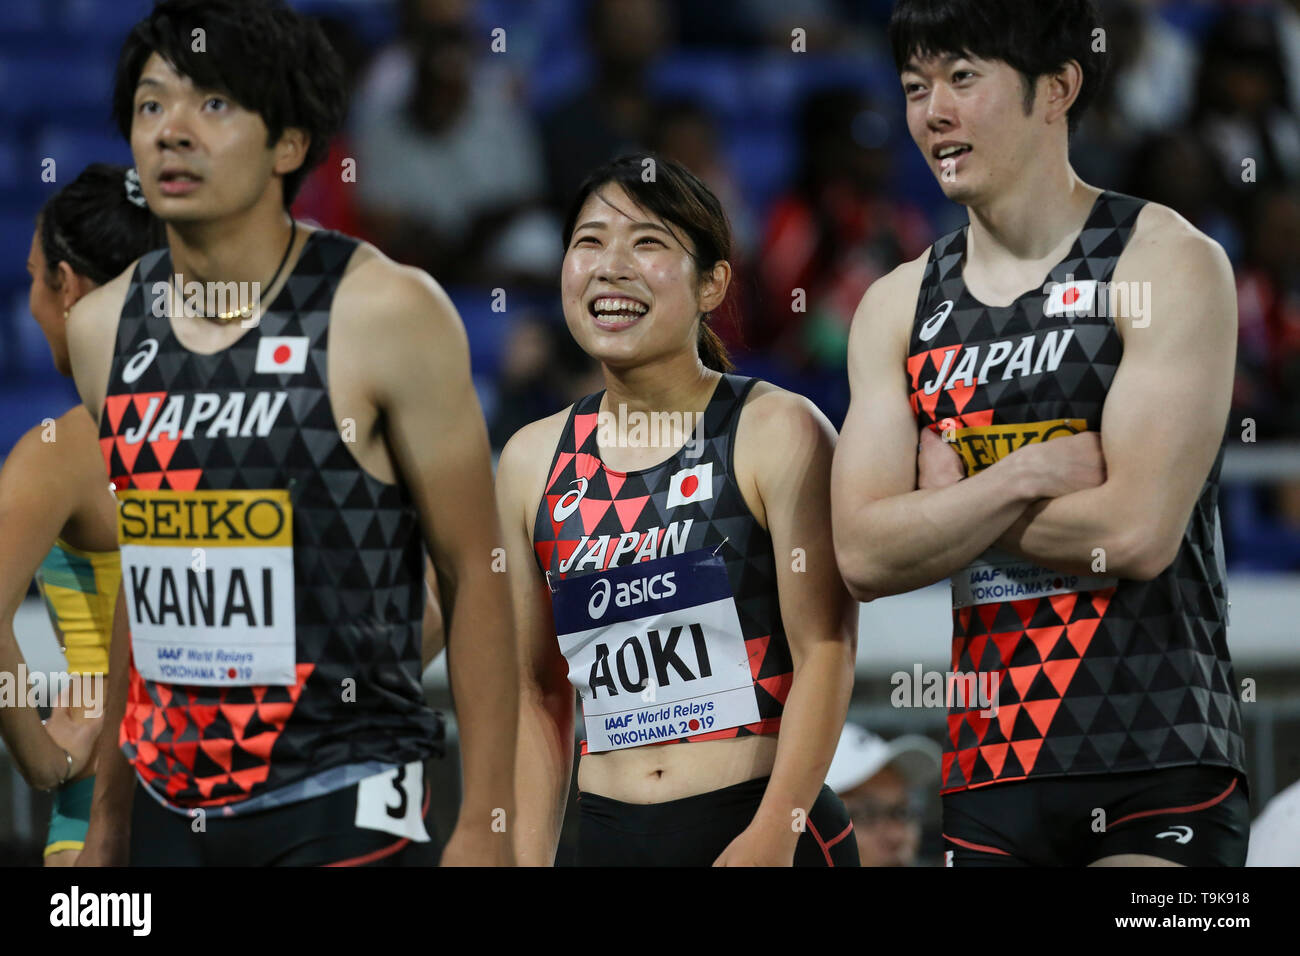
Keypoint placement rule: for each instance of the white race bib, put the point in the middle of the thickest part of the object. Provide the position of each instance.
(655, 650)
(208, 579)
(392, 801)
(997, 575)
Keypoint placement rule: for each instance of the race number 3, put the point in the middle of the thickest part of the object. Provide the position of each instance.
(391, 801)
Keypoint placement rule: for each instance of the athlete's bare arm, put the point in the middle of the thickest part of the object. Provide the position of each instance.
(92, 329)
(1164, 416)
(544, 758)
(433, 638)
(408, 351)
(786, 445)
(108, 836)
(51, 479)
(889, 536)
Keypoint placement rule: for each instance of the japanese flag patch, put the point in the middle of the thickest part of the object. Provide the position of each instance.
(281, 353)
(1072, 298)
(691, 485)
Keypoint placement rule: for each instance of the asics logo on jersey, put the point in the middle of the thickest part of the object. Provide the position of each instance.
(569, 501)
(138, 362)
(599, 601)
(1181, 834)
(629, 593)
(935, 322)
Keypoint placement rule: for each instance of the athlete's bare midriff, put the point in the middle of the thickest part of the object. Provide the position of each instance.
(658, 773)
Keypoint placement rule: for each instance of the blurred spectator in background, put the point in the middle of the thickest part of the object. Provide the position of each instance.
(542, 371)
(883, 785)
(1177, 169)
(325, 198)
(448, 167)
(828, 25)
(612, 113)
(1152, 69)
(771, 22)
(687, 132)
(1241, 107)
(1268, 303)
(1151, 73)
(836, 233)
(1288, 38)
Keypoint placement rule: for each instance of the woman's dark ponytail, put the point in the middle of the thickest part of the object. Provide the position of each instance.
(712, 352)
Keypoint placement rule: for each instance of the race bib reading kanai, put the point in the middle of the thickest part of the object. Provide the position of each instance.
(208, 577)
(656, 651)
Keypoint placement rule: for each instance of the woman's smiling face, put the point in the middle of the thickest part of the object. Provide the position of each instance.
(629, 284)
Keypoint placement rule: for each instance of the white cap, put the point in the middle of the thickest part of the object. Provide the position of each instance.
(861, 754)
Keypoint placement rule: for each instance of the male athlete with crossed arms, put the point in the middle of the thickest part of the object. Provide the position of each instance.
(1074, 500)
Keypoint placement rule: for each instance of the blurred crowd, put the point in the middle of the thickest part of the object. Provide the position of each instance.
(471, 125)
(472, 129)
(465, 170)
(472, 122)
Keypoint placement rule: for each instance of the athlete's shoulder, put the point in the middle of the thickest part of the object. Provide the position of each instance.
(1179, 264)
(898, 287)
(91, 331)
(523, 463)
(776, 422)
(391, 317)
(1163, 236)
(885, 313)
(95, 314)
(55, 454)
(77, 424)
(381, 291)
(530, 449)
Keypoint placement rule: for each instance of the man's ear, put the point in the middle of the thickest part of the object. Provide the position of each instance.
(291, 150)
(1063, 88)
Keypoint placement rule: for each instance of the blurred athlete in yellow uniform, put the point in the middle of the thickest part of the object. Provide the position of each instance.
(57, 518)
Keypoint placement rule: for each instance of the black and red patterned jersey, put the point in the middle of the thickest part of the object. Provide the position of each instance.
(1088, 674)
(652, 562)
(275, 588)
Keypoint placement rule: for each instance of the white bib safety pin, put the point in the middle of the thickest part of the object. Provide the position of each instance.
(550, 587)
(720, 544)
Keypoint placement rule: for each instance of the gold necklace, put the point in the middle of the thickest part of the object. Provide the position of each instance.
(243, 313)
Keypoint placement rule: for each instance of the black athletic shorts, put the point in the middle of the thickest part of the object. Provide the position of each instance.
(695, 830)
(1196, 816)
(320, 831)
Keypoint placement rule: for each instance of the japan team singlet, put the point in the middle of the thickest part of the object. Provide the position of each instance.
(275, 589)
(663, 586)
(1092, 674)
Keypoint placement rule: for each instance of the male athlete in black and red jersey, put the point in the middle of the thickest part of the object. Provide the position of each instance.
(1066, 359)
(281, 462)
(671, 559)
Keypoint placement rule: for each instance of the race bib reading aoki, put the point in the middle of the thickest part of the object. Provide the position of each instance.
(208, 578)
(1000, 576)
(656, 651)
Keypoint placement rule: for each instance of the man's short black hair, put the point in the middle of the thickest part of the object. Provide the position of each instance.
(265, 56)
(1036, 37)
